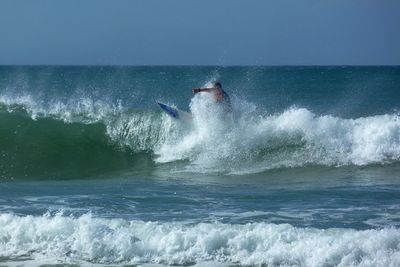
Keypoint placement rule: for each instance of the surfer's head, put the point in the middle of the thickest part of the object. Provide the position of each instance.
(217, 84)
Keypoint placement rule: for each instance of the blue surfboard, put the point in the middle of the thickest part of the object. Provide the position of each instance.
(174, 112)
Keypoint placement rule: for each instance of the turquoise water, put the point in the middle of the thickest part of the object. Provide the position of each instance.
(92, 172)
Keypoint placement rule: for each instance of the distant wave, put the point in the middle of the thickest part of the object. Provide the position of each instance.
(87, 135)
(78, 240)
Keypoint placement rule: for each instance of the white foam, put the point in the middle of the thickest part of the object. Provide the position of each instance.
(296, 137)
(59, 239)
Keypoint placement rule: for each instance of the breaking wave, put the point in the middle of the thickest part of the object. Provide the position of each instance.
(94, 136)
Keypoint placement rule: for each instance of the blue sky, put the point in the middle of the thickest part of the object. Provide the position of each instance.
(206, 32)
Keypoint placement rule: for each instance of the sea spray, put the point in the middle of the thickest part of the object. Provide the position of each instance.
(296, 137)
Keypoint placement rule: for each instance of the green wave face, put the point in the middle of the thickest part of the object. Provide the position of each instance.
(51, 149)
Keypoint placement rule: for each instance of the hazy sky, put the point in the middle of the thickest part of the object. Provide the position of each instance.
(203, 32)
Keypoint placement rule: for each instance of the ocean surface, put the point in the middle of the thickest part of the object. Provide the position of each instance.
(305, 170)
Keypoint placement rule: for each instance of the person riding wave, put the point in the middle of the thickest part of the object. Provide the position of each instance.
(219, 94)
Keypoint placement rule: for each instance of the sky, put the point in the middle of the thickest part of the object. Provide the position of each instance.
(200, 32)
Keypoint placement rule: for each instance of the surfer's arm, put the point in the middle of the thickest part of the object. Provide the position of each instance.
(198, 90)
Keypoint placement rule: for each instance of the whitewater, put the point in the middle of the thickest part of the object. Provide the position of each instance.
(86, 239)
(303, 172)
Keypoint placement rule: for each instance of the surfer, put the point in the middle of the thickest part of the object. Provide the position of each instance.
(219, 94)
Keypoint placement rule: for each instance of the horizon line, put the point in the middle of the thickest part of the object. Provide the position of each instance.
(197, 65)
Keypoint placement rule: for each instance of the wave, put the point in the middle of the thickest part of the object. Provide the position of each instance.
(50, 148)
(86, 239)
(93, 135)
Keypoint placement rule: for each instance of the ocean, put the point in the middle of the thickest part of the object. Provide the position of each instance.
(305, 170)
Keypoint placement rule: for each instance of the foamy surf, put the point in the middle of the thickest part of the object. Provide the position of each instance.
(86, 239)
(251, 142)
